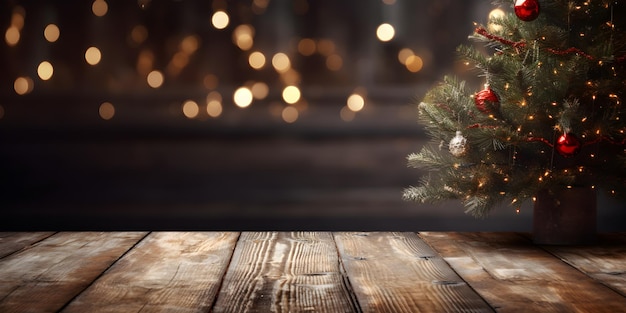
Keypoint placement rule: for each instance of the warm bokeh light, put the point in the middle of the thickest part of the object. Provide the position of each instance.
(214, 95)
(414, 63)
(12, 36)
(214, 108)
(242, 97)
(139, 34)
(145, 62)
(290, 77)
(281, 62)
(334, 62)
(93, 55)
(177, 63)
(289, 114)
(220, 20)
(17, 18)
(291, 94)
(190, 44)
(23, 85)
(256, 60)
(260, 90)
(325, 47)
(190, 109)
(106, 111)
(306, 46)
(404, 54)
(99, 8)
(51, 33)
(243, 37)
(45, 70)
(355, 102)
(259, 6)
(346, 114)
(385, 32)
(155, 79)
(244, 42)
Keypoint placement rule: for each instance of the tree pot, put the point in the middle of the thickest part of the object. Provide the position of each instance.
(565, 216)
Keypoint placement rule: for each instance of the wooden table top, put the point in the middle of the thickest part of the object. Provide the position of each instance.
(307, 272)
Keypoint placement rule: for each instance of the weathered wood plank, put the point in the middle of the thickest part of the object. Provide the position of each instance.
(168, 271)
(285, 272)
(604, 261)
(13, 242)
(514, 275)
(398, 272)
(47, 275)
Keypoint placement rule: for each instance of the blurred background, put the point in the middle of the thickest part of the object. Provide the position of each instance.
(227, 115)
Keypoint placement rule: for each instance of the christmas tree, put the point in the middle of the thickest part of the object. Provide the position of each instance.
(550, 113)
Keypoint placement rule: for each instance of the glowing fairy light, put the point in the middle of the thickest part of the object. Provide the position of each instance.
(281, 62)
(214, 108)
(23, 85)
(385, 32)
(99, 8)
(51, 33)
(190, 109)
(155, 79)
(355, 102)
(220, 20)
(12, 36)
(414, 63)
(93, 55)
(243, 36)
(256, 60)
(45, 70)
(291, 94)
(243, 97)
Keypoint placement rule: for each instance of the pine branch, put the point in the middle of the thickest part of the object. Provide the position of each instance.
(429, 160)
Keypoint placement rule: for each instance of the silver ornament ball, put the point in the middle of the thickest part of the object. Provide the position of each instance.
(458, 144)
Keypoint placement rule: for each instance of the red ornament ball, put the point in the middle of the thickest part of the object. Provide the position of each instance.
(567, 145)
(487, 101)
(527, 10)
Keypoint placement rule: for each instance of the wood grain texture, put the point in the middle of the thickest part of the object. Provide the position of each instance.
(285, 272)
(514, 275)
(13, 242)
(398, 272)
(166, 272)
(46, 276)
(604, 261)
